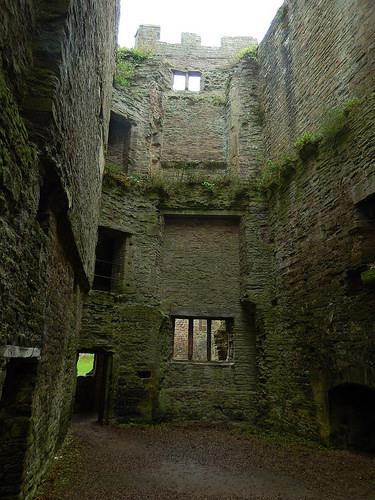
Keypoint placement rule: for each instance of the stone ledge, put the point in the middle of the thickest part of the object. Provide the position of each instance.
(15, 351)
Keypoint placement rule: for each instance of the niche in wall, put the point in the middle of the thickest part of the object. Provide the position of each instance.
(352, 416)
(15, 419)
(119, 142)
(110, 260)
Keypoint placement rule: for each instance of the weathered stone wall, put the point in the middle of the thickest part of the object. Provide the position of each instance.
(314, 56)
(193, 129)
(319, 331)
(244, 119)
(54, 119)
(133, 322)
(185, 129)
(324, 334)
(200, 276)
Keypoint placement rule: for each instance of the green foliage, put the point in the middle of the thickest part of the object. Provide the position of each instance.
(208, 186)
(126, 62)
(188, 183)
(218, 100)
(247, 53)
(335, 122)
(333, 127)
(282, 13)
(305, 139)
(276, 173)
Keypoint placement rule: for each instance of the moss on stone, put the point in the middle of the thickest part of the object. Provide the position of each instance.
(333, 128)
(126, 62)
(16, 152)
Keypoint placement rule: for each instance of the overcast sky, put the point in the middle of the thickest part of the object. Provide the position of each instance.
(211, 19)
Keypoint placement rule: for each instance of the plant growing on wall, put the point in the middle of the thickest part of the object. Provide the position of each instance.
(126, 62)
(250, 52)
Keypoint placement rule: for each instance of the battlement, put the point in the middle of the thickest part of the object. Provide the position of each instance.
(148, 36)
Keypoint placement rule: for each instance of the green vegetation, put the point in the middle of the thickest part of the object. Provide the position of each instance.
(282, 13)
(333, 128)
(183, 182)
(368, 277)
(126, 62)
(85, 364)
(218, 100)
(250, 52)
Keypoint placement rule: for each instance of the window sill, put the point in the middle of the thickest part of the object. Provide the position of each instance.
(201, 363)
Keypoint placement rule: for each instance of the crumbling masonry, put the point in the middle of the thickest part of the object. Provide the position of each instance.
(235, 258)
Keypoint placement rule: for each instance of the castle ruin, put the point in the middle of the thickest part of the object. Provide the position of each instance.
(230, 195)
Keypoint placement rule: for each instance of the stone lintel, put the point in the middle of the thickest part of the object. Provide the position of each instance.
(15, 351)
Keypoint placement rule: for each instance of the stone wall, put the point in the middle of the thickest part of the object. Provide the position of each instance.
(300, 288)
(314, 56)
(318, 333)
(160, 281)
(200, 276)
(325, 312)
(175, 131)
(54, 120)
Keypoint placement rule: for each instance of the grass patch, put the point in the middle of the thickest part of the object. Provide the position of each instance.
(85, 364)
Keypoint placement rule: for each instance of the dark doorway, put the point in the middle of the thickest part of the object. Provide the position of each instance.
(15, 418)
(352, 415)
(92, 390)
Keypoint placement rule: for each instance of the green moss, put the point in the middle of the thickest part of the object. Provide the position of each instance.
(282, 13)
(333, 127)
(218, 100)
(368, 277)
(126, 62)
(16, 152)
(201, 190)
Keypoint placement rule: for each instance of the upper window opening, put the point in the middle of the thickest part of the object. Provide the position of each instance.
(194, 82)
(179, 81)
(187, 81)
(201, 339)
(119, 136)
(110, 258)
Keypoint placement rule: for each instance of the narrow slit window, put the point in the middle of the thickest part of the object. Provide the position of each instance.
(202, 339)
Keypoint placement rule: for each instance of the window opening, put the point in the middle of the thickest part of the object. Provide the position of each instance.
(201, 339)
(187, 81)
(110, 259)
(194, 82)
(119, 136)
(179, 81)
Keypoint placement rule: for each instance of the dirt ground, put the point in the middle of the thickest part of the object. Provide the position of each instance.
(162, 462)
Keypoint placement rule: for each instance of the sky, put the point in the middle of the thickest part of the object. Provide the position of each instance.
(211, 19)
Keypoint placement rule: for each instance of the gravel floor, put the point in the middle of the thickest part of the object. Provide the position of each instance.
(194, 463)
